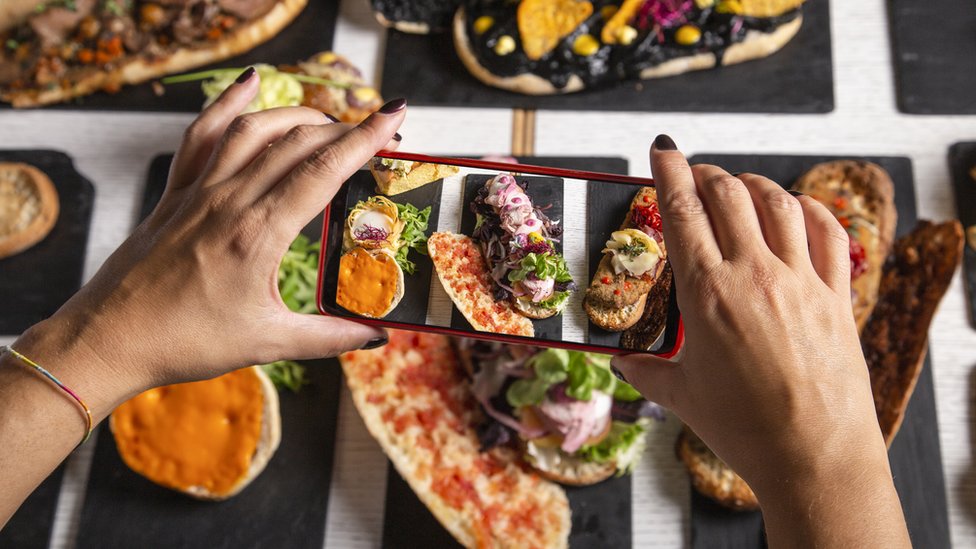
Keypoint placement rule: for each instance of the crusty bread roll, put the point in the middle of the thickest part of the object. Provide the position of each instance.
(29, 207)
(558, 466)
(162, 408)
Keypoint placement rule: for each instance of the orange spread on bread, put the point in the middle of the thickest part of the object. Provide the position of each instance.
(367, 282)
(201, 434)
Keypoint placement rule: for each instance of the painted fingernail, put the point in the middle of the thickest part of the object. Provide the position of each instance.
(664, 142)
(397, 137)
(795, 193)
(332, 118)
(393, 106)
(375, 342)
(617, 373)
(246, 75)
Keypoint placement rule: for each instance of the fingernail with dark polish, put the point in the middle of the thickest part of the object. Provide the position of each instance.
(664, 143)
(393, 106)
(617, 373)
(332, 118)
(246, 75)
(375, 342)
(795, 193)
(397, 137)
(737, 174)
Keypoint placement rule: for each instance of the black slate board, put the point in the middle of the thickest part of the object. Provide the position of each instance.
(32, 524)
(284, 507)
(601, 513)
(962, 159)
(310, 33)
(934, 51)
(413, 307)
(36, 282)
(797, 79)
(915, 455)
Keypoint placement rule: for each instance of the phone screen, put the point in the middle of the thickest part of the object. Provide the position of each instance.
(508, 252)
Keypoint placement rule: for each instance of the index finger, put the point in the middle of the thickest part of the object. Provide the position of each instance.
(688, 234)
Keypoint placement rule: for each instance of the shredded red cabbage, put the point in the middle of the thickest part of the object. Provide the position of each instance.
(368, 232)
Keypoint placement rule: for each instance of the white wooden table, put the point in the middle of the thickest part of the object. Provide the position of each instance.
(114, 151)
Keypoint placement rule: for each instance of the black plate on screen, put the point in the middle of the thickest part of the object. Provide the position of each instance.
(915, 455)
(310, 33)
(962, 160)
(601, 513)
(412, 309)
(934, 51)
(797, 79)
(545, 192)
(37, 281)
(285, 506)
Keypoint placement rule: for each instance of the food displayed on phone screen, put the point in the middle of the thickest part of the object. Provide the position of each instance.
(507, 246)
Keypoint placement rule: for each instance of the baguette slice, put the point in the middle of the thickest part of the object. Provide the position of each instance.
(416, 402)
(895, 338)
(392, 183)
(463, 273)
(916, 277)
(861, 195)
(172, 408)
(29, 207)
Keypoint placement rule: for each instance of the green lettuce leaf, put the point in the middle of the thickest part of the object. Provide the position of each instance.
(298, 275)
(582, 372)
(414, 235)
(286, 374)
(545, 266)
(624, 444)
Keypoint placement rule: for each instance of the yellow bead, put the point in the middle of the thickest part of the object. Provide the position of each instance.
(505, 45)
(688, 35)
(483, 23)
(730, 6)
(585, 45)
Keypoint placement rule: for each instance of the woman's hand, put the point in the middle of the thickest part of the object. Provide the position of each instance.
(772, 377)
(193, 292)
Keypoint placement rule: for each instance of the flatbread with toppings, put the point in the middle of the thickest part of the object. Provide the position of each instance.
(544, 47)
(72, 48)
(415, 400)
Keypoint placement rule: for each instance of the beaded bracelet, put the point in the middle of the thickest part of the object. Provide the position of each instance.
(88, 415)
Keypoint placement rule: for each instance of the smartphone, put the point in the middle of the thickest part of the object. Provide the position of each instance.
(501, 251)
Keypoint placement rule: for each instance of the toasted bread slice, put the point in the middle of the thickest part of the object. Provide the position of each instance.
(643, 334)
(417, 403)
(463, 273)
(390, 182)
(894, 340)
(711, 476)
(615, 320)
(29, 207)
(557, 466)
(154, 430)
(861, 195)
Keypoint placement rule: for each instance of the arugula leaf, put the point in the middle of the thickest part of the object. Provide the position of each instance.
(298, 275)
(286, 374)
(545, 266)
(414, 235)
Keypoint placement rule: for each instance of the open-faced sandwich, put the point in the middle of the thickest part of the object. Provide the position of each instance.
(399, 176)
(862, 197)
(207, 439)
(326, 82)
(463, 273)
(559, 46)
(29, 207)
(417, 403)
(574, 420)
(378, 236)
(915, 277)
(71, 48)
(518, 242)
(633, 262)
(415, 16)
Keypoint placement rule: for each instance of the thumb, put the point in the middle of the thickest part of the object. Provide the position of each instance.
(312, 336)
(658, 379)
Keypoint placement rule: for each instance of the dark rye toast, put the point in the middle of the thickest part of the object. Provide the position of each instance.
(895, 338)
(615, 302)
(916, 275)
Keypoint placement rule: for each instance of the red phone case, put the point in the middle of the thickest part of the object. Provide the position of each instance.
(674, 330)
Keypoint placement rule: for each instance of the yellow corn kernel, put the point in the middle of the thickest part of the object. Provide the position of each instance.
(626, 35)
(365, 94)
(585, 45)
(505, 45)
(483, 23)
(702, 4)
(730, 6)
(687, 35)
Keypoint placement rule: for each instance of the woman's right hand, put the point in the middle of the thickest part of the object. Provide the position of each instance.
(772, 377)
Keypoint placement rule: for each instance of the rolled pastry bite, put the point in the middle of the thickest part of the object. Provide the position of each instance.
(207, 439)
(575, 422)
(518, 242)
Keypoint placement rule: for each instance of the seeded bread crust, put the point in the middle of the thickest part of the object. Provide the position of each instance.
(711, 476)
(29, 207)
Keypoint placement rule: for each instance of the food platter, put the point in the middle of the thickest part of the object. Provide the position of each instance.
(915, 455)
(797, 79)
